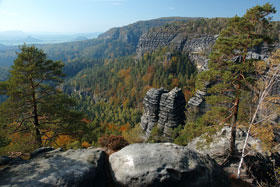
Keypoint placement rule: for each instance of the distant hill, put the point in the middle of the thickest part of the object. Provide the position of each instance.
(20, 37)
(30, 39)
(80, 38)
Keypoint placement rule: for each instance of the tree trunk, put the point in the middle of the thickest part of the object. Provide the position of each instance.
(233, 127)
(36, 121)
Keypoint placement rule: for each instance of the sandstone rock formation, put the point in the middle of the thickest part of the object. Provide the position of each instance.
(164, 109)
(171, 111)
(151, 103)
(165, 164)
(85, 167)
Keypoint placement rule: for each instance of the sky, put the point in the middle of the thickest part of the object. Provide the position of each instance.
(87, 16)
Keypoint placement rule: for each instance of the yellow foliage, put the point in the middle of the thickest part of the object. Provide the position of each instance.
(265, 134)
(124, 72)
(146, 78)
(85, 144)
(63, 141)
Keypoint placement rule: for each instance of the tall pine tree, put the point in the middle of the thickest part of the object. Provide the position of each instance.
(230, 71)
(35, 104)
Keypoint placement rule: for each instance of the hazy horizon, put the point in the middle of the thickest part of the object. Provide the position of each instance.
(91, 16)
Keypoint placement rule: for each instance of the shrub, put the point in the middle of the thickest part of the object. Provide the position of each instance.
(114, 143)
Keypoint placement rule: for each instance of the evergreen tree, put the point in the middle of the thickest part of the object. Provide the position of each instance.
(35, 105)
(230, 71)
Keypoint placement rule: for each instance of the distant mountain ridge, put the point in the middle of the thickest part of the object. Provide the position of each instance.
(118, 41)
(127, 40)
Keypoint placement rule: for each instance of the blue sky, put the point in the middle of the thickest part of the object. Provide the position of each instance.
(81, 16)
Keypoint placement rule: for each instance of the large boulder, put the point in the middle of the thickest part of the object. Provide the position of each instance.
(164, 164)
(77, 168)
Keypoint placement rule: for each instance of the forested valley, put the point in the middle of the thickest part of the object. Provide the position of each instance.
(106, 92)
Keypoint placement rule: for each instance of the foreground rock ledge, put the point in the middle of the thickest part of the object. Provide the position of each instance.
(164, 164)
(75, 168)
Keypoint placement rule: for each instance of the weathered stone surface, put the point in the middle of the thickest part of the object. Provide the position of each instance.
(164, 109)
(171, 111)
(258, 164)
(151, 103)
(219, 148)
(165, 164)
(83, 167)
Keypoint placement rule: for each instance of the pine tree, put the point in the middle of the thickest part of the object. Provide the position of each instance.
(230, 71)
(35, 104)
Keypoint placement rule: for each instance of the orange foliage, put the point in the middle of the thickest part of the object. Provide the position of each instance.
(111, 126)
(85, 144)
(124, 127)
(114, 143)
(188, 94)
(86, 121)
(151, 69)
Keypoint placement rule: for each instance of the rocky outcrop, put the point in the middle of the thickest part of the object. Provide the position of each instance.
(151, 104)
(165, 164)
(258, 164)
(164, 109)
(84, 167)
(171, 111)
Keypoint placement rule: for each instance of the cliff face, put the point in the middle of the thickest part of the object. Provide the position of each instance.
(163, 109)
(196, 46)
(194, 38)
